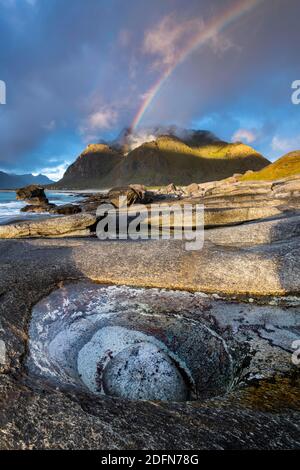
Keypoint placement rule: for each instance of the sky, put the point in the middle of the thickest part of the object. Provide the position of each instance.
(78, 72)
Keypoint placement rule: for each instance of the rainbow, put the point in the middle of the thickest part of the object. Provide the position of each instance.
(216, 25)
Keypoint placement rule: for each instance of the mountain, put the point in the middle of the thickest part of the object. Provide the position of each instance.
(189, 156)
(12, 181)
(169, 159)
(95, 162)
(288, 165)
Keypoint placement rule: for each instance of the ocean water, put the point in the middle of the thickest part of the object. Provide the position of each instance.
(10, 208)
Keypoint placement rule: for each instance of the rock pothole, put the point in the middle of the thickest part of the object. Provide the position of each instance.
(129, 343)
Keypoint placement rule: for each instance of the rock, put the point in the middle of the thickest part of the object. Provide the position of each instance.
(256, 233)
(130, 196)
(214, 217)
(170, 192)
(38, 208)
(145, 197)
(67, 209)
(33, 194)
(139, 188)
(93, 201)
(263, 400)
(223, 340)
(144, 372)
(192, 189)
(170, 189)
(288, 188)
(72, 225)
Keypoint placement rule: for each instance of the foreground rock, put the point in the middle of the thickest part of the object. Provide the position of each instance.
(213, 217)
(72, 225)
(260, 410)
(81, 363)
(260, 232)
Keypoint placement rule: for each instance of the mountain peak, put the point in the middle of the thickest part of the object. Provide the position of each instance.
(129, 139)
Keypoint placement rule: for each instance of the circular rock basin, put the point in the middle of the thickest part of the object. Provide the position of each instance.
(138, 344)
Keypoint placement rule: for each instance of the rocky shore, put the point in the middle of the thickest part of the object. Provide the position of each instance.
(222, 323)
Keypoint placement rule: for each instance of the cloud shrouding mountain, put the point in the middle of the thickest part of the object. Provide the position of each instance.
(78, 72)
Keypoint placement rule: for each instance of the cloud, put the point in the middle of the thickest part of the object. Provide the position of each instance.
(50, 125)
(221, 43)
(285, 145)
(244, 135)
(103, 119)
(55, 173)
(97, 122)
(169, 38)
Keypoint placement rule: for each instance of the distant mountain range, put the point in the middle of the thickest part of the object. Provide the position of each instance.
(159, 156)
(12, 181)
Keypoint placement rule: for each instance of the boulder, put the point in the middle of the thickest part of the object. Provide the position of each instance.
(130, 196)
(145, 197)
(38, 208)
(72, 225)
(33, 194)
(193, 189)
(67, 209)
(170, 189)
(139, 188)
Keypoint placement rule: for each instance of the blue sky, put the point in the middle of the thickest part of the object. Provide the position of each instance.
(77, 72)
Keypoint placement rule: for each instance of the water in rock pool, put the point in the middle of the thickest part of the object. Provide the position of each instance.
(10, 208)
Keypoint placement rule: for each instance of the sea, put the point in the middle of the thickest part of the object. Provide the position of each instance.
(10, 208)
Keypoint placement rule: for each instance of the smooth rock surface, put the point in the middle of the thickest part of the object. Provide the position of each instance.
(144, 372)
(264, 414)
(260, 232)
(72, 225)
